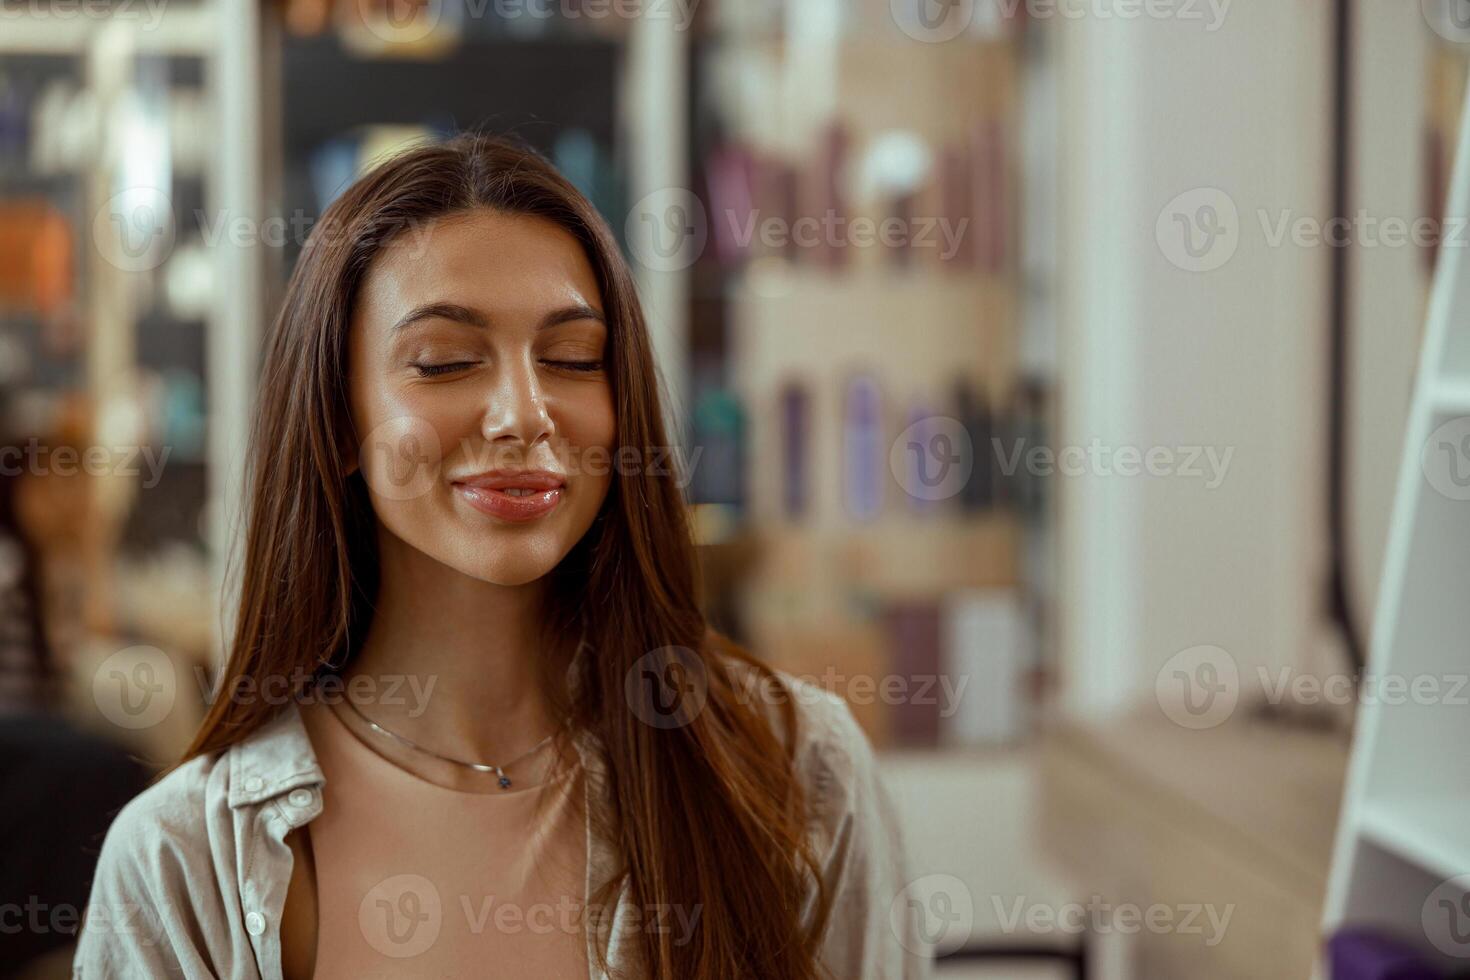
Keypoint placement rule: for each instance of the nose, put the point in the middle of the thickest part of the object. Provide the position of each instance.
(516, 410)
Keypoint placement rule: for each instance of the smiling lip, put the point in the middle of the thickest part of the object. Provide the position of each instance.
(486, 493)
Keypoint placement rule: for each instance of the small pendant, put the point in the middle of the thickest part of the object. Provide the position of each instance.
(505, 782)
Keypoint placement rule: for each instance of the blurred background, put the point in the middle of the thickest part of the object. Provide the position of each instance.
(1064, 382)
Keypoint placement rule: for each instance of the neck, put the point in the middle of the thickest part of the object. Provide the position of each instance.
(467, 653)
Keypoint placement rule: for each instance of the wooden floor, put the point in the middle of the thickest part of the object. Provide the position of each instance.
(1240, 817)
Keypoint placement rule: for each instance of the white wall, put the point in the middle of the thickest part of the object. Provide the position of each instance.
(1153, 355)
(1388, 288)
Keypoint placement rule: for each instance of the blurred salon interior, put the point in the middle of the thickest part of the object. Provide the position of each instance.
(1080, 388)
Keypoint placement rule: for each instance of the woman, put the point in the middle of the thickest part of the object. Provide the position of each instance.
(514, 747)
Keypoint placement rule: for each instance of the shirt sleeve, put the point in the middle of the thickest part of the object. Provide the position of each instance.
(872, 933)
(139, 921)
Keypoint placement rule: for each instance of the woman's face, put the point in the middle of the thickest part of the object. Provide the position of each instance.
(479, 391)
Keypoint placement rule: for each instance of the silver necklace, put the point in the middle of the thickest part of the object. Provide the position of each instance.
(403, 740)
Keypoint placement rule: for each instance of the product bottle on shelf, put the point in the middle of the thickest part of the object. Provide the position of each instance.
(928, 473)
(832, 202)
(1026, 427)
(719, 439)
(956, 193)
(991, 195)
(864, 457)
(731, 173)
(795, 448)
(973, 411)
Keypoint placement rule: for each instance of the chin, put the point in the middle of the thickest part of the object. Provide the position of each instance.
(511, 557)
(508, 570)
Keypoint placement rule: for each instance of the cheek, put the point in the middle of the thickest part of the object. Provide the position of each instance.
(596, 422)
(432, 423)
(589, 425)
(406, 439)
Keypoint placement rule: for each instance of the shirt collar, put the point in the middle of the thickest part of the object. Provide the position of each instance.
(275, 760)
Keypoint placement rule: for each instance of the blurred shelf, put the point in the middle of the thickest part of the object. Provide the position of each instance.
(179, 31)
(922, 286)
(1428, 830)
(895, 557)
(1452, 396)
(15, 183)
(773, 42)
(533, 88)
(470, 43)
(773, 277)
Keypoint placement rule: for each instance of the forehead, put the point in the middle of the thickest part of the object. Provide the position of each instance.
(508, 265)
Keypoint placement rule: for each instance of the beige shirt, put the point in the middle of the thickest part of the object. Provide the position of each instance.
(193, 874)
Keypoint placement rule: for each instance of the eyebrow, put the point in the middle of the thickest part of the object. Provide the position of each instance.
(475, 318)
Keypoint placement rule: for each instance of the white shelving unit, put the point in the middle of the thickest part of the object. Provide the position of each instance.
(1402, 857)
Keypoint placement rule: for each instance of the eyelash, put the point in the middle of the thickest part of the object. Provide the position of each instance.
(433, 370)
(430, 370)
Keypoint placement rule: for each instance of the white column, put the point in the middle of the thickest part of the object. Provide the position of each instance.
(1230, 358)
(655, 98)
(233, 343)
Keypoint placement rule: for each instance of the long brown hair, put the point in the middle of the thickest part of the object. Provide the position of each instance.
(708, 813)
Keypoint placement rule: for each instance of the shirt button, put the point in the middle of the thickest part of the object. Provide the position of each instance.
(300, 798)
(254, 784)
(255, 923)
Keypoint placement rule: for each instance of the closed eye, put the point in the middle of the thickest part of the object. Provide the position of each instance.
(431, 370)
(576, 365)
